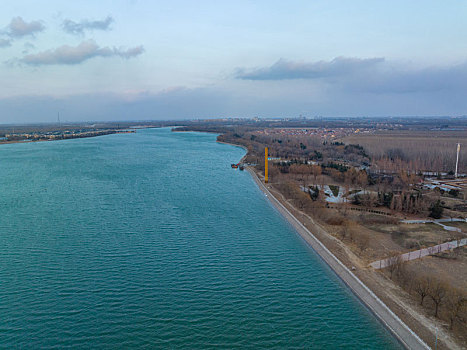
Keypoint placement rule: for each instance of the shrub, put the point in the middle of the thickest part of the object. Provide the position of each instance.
(436, 210)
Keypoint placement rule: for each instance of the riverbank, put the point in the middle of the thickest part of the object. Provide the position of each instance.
(433, 331)
(232, 144)
(398, 328)
(59, 137)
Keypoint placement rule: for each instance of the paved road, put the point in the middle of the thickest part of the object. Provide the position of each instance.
(398, 328)
(421, 221)
(417, 254)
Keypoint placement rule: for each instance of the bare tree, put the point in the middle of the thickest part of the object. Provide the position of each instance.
(347, 231)
(407, 279)
(316, 171)
(437, 293)
(456, 303)
(273, 172)
(343, 232)
(363, 241)
(393, 263)
(422, 287)
(362, 180)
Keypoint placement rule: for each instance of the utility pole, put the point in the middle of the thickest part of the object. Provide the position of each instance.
(266, 165)
(457, 158)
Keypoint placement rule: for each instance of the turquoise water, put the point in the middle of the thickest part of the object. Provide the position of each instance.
(151, 240)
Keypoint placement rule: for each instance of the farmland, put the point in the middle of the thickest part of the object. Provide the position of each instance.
(427, 150)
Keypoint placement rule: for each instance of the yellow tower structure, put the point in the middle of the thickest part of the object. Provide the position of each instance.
(266, 165)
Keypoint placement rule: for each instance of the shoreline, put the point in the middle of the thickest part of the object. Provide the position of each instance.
(232, 144)
(406, 337)
(77, 136)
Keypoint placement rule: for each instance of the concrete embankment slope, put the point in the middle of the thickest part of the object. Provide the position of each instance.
(398, 328)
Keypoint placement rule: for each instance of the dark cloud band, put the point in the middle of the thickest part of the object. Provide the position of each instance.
(283, 69)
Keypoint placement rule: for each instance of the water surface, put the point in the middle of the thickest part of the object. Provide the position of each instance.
(151, 240)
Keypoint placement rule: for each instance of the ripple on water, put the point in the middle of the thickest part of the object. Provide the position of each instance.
(151, 240)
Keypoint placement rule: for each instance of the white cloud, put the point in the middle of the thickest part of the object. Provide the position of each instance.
(73, 27)
(69, 55)
(19, 28)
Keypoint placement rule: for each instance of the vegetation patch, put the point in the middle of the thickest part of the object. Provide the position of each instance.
(334, 189)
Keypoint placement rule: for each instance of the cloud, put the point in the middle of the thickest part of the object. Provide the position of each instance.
(401, 80)
(27, 48)
(19, 28)
(70, 55)
(382, 89)
(364, 75)
(134, 51)
(4, 42)
(283, 69)
(73, 27)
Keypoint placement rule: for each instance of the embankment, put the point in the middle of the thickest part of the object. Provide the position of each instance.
(398, 328)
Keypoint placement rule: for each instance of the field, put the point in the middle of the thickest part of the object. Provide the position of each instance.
(418, 150)
(415, 236)
(386, 235)
(461, 225)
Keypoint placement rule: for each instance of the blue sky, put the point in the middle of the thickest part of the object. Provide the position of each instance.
(133, 59)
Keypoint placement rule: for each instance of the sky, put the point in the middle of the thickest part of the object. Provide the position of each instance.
(179, 59)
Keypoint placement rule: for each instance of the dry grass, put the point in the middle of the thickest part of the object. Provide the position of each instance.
(426, 150)
(413, 236)
(461, 225)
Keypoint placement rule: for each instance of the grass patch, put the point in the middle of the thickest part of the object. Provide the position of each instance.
(461, 225)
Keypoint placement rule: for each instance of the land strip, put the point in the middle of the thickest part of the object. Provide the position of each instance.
(57, 136)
